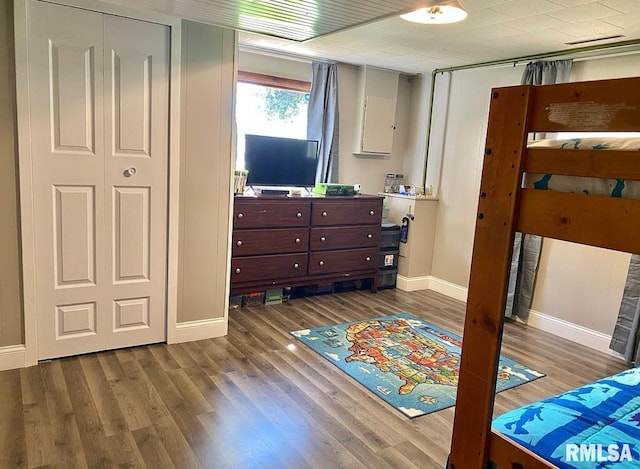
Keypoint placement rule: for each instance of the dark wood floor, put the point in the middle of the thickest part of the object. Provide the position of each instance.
(247, 400)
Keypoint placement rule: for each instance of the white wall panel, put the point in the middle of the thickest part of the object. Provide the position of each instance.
(206, 171)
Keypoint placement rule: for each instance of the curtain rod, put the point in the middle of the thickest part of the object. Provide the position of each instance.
(545, 55)
(514, 61)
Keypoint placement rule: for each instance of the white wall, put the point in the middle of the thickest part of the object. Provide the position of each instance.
(369, 172)
(205, 171)
(437, 133)
(463, 136)
(416, 138)
(278, 66)
(578, 284)
(410, 120)
(11, 317)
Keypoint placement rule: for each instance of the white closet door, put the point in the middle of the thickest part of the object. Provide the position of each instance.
(136, 64)
(99, 285)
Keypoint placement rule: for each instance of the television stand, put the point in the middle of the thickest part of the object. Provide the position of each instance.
(275, 191)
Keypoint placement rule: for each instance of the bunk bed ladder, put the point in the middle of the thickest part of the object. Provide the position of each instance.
(494, 233)
(504, 208)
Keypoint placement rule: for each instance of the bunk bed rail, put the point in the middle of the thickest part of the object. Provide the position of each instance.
(505, 207)
(588, 106)
(611, 164)
(596, 220)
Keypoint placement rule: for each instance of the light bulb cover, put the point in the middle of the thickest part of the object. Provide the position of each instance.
(437, 13)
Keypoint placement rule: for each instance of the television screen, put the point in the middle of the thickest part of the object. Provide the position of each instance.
(276, 161)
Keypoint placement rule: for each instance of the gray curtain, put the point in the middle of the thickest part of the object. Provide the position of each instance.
(322, 119)
(626, 334)
(547, 72)
(526, 248)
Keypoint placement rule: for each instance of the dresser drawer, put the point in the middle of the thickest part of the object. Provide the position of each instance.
(274, 241)
(255, 213)
(326, 262)
(342, 237)
(356, 212)
(245, 269)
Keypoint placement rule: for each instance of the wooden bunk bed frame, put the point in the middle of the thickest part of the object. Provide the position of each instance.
(504, 208)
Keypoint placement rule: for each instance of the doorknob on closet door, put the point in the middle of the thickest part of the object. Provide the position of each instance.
(129, 172)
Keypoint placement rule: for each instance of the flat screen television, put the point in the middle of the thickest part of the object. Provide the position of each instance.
(276, 161)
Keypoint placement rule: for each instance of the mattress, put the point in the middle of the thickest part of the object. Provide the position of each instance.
(596, 425)
(585, 185)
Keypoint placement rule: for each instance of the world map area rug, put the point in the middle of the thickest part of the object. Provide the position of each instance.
(410, 363)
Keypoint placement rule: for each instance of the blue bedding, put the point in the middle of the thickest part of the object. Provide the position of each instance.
(594, 426)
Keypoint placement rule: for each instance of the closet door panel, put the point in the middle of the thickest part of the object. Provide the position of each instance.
(136, 69)
(66, 89)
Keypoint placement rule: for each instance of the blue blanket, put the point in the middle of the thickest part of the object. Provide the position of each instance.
(594, 426)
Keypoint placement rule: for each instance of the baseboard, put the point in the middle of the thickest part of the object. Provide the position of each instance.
(13, 356)
(567, 330)
(412, 283)
(573, 332)
(449, 289)
(203, 329)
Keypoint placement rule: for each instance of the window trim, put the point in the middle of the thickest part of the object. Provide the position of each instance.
(274, 82)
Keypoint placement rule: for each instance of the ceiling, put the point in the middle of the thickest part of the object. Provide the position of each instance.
(369, 32)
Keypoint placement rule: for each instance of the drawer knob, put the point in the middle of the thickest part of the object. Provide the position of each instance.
(297, 240)
(240, 216)
(372, 213)
(324, 214)
(238, 270)
(321, 263)
(239, 243)
(368, 259)
(322, 239)
(296, 265)
(369, 236)
(299, 215)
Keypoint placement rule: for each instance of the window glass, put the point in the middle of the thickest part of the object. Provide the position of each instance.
(265, 110)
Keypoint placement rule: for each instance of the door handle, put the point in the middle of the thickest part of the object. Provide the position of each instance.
(129, 172)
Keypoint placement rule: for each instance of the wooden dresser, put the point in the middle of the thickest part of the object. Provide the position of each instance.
(286, 242)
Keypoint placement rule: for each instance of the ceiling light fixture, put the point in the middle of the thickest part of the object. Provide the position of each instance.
(437, 12)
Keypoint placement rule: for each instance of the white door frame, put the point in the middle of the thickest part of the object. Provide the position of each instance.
(28, 356)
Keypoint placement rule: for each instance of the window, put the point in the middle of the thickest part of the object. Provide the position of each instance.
(271, 106)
